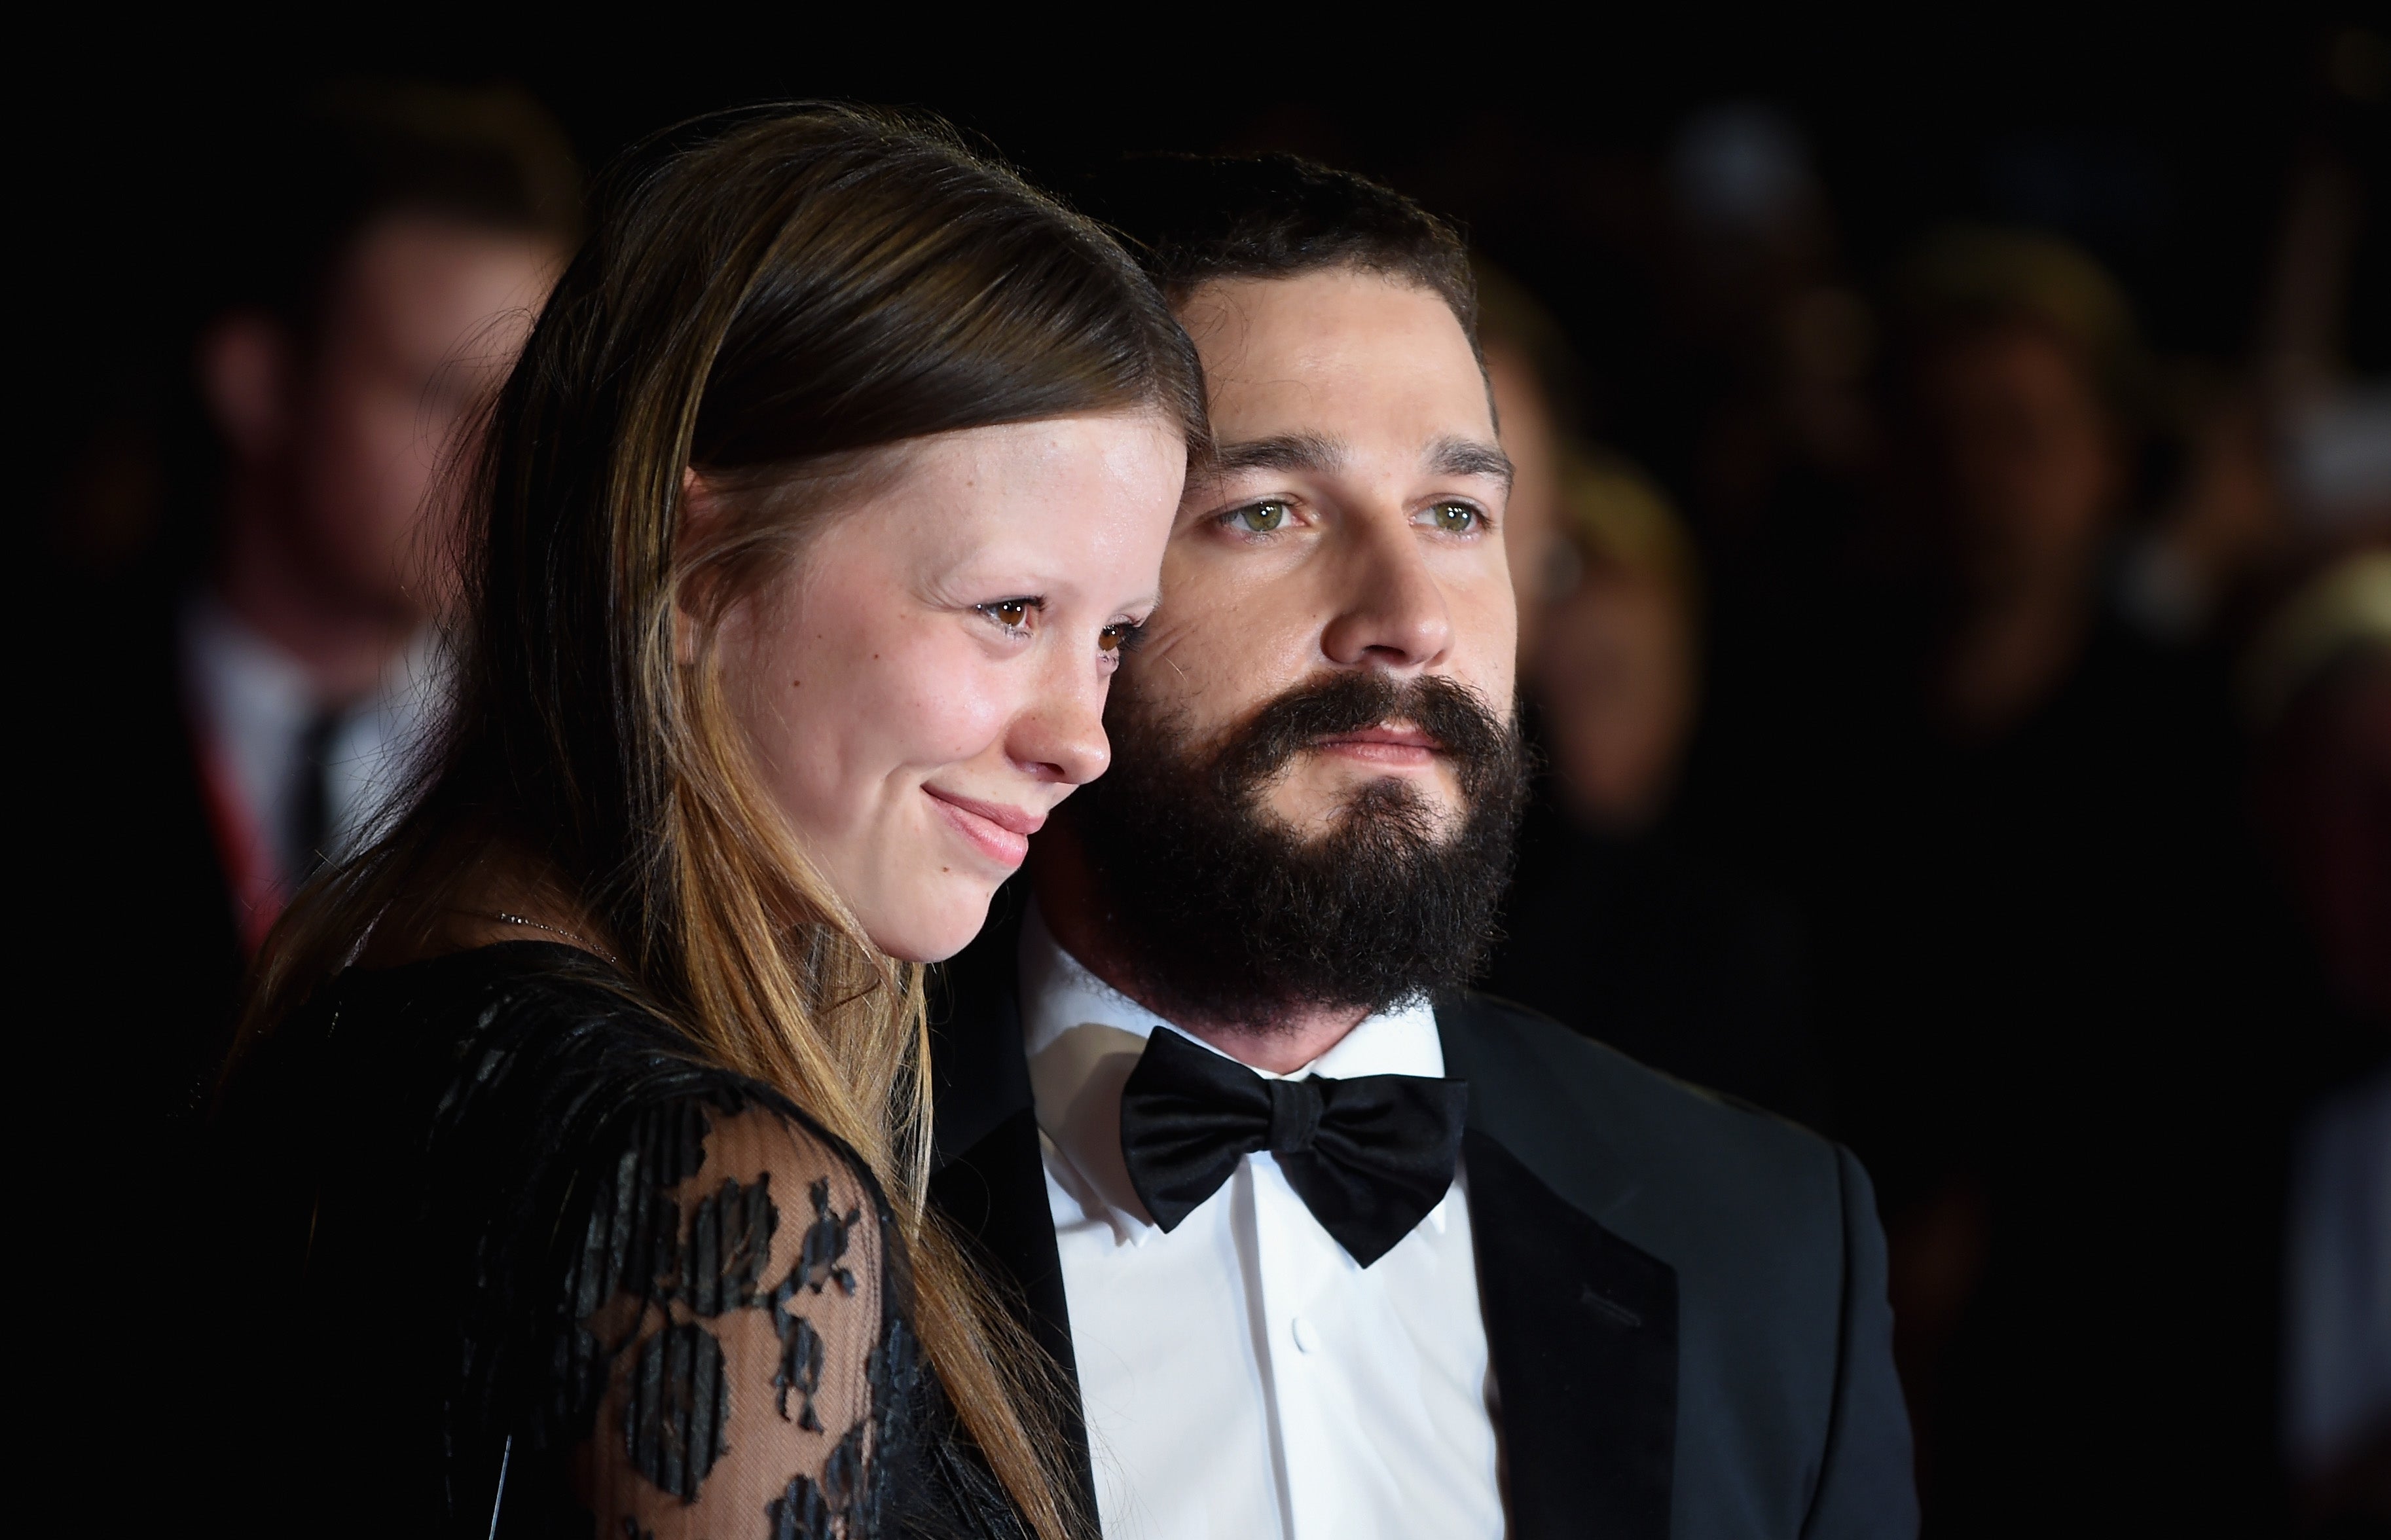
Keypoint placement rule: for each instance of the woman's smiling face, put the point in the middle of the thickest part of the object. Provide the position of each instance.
(927, 679)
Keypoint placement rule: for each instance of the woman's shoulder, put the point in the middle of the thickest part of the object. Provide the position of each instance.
(573, 1223)
(507, 988)
(539, 1052)
(494, 1014)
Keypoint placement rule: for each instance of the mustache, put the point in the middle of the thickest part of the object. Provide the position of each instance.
(1482, 747)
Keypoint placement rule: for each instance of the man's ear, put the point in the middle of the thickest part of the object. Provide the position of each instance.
(244, 364)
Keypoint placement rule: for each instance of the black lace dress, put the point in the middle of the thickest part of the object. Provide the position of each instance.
(497, 1256)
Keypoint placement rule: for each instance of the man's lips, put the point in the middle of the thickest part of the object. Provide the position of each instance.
(1000, 831)
(1391, 746)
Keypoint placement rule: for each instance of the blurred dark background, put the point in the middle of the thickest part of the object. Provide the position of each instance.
(1952, 553)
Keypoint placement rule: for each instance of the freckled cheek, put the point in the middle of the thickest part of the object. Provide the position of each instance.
(957, 712)
(832, 702)
(912, 700)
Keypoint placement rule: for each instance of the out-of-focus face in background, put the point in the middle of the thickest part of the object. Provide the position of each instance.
(1532, 515)
(1607, 638)
(340, 439)
(2022, 456)
(1354, 521)
(1615, 676)
(423, 324)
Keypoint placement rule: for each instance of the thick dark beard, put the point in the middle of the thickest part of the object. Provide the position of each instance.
(1223, 914)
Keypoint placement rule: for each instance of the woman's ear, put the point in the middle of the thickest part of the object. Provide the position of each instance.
(698, 513)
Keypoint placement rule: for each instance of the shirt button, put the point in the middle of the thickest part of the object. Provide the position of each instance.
(1307, 1336)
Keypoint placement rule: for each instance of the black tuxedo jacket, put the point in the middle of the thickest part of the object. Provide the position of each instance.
(1685, 1299)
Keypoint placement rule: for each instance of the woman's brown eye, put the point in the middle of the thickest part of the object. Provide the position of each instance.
(1110, 638)
(1010, 612)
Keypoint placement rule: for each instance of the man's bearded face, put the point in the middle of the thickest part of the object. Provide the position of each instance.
(1227, 914)
(1314, 780)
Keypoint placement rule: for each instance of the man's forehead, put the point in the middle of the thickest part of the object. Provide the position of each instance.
(1300, 369)
(1324, 312)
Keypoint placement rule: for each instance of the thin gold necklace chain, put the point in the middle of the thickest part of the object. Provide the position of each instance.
(553, 930)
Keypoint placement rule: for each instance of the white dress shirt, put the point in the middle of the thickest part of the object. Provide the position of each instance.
(253, 705)
(1243, 1377)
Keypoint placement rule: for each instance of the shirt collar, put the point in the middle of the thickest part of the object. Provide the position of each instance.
(247, 689)
(253, 703)
(1083, 1037)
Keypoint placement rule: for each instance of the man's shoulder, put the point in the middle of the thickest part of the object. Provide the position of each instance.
(1532, 1063)
(1673, 1166)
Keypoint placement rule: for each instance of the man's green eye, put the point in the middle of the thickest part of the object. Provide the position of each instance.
(1260, 518)
(1454, 518)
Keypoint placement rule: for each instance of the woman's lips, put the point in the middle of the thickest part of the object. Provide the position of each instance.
(999, 832)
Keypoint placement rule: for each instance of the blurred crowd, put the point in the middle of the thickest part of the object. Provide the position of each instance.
(1970, 735)
(1985, 758)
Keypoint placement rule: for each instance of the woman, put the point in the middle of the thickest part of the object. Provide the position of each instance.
(580, 1130)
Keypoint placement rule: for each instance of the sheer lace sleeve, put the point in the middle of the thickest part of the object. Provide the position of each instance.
(734, 1323)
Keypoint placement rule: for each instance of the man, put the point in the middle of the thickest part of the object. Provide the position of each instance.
(241, 729)
(1326, 1244)
(215, 733)
(337, 384)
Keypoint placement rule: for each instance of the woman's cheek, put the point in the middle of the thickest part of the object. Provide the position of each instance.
(962, 703)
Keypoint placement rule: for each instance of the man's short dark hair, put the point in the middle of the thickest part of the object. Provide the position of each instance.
(1192, 219)
(487, 159)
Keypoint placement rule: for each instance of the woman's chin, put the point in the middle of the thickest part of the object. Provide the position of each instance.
(940, 924)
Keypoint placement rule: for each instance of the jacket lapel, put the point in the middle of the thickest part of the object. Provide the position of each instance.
(1581, 1328)
(989, 1177)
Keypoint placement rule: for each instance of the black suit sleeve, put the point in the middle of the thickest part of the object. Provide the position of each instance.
(1866, 1487)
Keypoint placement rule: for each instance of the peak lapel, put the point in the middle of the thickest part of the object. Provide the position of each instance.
(1582, 1328)
(1580, 1325)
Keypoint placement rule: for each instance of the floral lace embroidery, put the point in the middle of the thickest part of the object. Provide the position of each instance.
(675, 1276)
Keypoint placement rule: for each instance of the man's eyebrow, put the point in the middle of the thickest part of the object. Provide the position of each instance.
(1294, 452)
(1468, 456)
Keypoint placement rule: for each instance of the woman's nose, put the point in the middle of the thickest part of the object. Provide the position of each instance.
(1060, 736)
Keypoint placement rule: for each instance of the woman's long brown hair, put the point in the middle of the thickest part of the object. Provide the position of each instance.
(776, 300)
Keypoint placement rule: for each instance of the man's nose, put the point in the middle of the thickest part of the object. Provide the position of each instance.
(1060, 736)
(1390, 610)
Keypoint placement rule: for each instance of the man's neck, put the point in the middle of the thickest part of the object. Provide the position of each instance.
(1067, 900)
(344, 646)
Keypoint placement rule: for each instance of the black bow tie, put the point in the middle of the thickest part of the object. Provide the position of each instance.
(1368, 1156)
